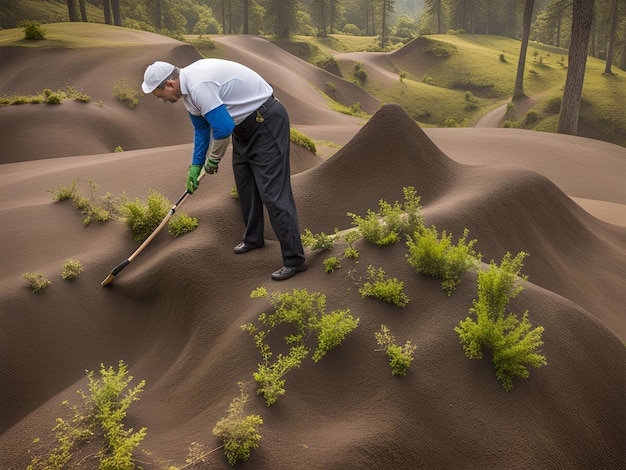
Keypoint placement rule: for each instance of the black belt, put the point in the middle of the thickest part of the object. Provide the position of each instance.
(246, 128)
(265, 107)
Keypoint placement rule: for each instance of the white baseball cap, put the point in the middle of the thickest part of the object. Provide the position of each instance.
(155, 74)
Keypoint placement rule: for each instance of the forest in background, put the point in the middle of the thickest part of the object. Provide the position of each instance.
(395, 21)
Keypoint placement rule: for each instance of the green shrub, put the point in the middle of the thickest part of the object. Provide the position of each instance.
(100, 209)
(440, 49)
(513, 343)
(238, 432)
(379, 287)
(71, 269)
(436, 257)
(331, 264)
(142, 219)
(531, 117)
(299, 315)
(33, 31)
(351, 252)
(331, 331)
(125, 93)
(359, 72)
(329, 87)
(118, 149)
(101, 413)
(502, 58)
(36, 281)
(400, 357)
(351, 30)
(302, 140)
(319, 241)
(384, 227)
(181, 224)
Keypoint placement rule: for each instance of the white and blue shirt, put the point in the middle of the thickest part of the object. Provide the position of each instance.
(219, 94)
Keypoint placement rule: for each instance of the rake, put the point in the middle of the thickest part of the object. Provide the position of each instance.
(117, 269)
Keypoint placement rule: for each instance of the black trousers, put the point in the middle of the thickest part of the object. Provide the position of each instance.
(262, 175)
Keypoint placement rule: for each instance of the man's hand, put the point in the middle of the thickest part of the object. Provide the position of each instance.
(192, 177)
(211, 166)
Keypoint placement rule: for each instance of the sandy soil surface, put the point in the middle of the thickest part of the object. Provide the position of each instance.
(174, 314)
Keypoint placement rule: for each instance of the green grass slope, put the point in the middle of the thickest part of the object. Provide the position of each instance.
(454, 80)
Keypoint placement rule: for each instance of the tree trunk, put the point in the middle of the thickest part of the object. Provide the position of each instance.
(107, 11)
(71, 10)
(245, 16)
(83, 10)
(117, 14)
(577, 62)
(622, 64)
(518, 90)
(609, 50)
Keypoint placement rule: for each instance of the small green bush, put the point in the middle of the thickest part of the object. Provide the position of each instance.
(502, 58)
(331, 264)
(390, 291)
(238, 432)
(181, 224)
(384, 227)
(299, 315)
(100, 209)
(36, 281)
(302, 140)
(125, 93)
(71, 269)
(142, 219)
(33, 31)
(101, 414)
(319, 241)
(513, 343)
(436, 257)
(359, 72)
(400, 357)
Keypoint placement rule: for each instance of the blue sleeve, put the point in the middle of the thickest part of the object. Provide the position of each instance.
(223, 125)
(201, 139)
(221, 122)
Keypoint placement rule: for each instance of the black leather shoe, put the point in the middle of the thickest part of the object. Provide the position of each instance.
(244, 248)
(287, 272)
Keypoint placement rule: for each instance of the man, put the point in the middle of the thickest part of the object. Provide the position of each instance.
(226, 98)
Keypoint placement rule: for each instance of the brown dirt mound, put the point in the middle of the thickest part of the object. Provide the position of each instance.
(174, 314)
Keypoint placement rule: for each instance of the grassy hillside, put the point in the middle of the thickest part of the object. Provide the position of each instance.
(454, 80)
(44, 11)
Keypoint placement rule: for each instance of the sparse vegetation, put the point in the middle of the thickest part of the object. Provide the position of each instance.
(33, 31)
(180, 224)
(400, 357)
(378, 286)
(331, 264)
(384, 227)
(101, 414)
(430, 255)
(100, 209)
(513, 343)
(71, 269)
(239, 433)
(36, 281)
(125, 93)
(319, 241)
(303, 315)
(143, 218)
(302, 140)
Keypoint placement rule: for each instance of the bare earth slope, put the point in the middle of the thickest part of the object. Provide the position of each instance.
(174, 314)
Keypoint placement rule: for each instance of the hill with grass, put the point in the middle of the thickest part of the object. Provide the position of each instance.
(455, 80)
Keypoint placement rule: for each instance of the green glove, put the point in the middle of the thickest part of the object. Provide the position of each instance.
(192, 177)
(211, 166)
